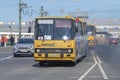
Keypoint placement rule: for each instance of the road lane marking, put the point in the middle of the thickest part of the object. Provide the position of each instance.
(99, 65)
(94, 57)
(102, 71)
(85, 74)
(2, 59)
(99, 61)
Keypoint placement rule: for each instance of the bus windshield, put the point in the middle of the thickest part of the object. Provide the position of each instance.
(62, 29)
(89, 30)
(57, 29)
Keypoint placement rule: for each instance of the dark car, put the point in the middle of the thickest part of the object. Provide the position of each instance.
(113, 41)
(24, 46)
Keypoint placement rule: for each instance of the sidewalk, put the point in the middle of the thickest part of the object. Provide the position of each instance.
(7, 45)
(6, 48)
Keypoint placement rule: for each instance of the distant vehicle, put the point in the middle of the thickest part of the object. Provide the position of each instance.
(24, 46)
(113, 41)
(91, 32)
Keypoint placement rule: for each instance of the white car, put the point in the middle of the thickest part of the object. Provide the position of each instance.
(24, 46)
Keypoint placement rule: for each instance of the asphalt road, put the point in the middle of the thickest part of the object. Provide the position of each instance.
(101, 63)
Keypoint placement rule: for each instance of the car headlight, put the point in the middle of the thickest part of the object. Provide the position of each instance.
(31, 47)
(16, 46)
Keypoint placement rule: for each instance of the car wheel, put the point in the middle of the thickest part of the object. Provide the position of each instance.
(15, 55)
(41, 63)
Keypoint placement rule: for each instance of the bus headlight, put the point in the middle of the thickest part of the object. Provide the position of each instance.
(38, 50)
(91, 41)
(69, 50)
(16, 46)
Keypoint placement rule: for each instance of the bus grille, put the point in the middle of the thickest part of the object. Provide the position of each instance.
(51, 50)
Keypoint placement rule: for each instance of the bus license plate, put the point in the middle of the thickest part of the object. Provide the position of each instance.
(54, 55)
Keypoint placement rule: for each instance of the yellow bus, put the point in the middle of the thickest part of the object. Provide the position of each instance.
(91, 33)
(59, 39)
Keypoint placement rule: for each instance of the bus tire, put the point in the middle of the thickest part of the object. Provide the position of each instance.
(85, 55)
(80, 59)
(73, 63)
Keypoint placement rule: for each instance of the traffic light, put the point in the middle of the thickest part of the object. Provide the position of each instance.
(29, 29)
(9, 26)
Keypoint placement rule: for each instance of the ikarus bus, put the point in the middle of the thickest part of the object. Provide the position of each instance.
(59, 39)
(91, 33)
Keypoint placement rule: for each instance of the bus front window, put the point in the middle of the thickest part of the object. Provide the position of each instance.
(89, 31)
(45, 29)
(62, 30)
(57, 29)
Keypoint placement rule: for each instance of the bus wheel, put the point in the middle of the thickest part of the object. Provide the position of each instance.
(80, 59)
(41, 63)
(73, 63)
(84, 55)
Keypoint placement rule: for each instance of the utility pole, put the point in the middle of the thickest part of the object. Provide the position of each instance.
(21, 7)
(20, 18)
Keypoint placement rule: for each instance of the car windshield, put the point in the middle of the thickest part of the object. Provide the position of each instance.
(25, 41)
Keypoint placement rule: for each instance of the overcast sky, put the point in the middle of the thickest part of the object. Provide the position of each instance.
(95, 8)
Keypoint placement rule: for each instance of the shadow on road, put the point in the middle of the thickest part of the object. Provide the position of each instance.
(57, 64)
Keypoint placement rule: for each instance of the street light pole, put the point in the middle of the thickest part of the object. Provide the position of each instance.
(21, 7)
(10, 27)
(20, 18)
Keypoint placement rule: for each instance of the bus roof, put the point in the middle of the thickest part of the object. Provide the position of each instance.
(60, 17)
(47, 17)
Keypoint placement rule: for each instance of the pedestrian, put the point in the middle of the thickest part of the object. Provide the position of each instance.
(15, 40)
(2, 41)
(5, 40)
(11, 40)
